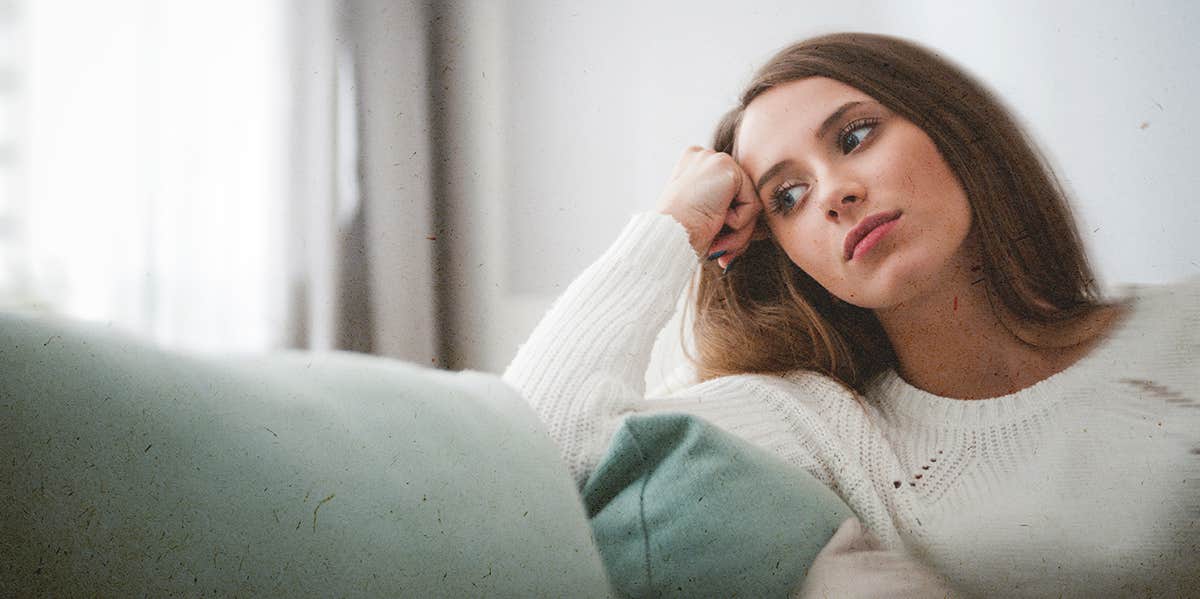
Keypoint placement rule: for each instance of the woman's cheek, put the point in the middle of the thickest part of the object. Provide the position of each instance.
(822, 255)
(806, 258)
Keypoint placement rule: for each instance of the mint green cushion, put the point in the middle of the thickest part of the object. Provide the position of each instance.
(126, 470)
(682, 508)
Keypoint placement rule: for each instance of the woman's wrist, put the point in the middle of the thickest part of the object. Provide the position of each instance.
(696, 234)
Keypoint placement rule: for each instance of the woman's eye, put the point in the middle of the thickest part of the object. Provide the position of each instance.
(788, 197)
(855, 137)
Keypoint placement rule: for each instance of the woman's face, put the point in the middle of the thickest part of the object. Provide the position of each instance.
(826, 157)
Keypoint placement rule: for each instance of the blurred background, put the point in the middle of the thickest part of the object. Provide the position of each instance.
(420, 179)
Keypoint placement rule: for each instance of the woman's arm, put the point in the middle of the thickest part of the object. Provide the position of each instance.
(585, 362)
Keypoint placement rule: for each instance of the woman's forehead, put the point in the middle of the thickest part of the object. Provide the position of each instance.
(787, 115)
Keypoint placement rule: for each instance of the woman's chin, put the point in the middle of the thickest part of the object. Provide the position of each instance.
(897, 280)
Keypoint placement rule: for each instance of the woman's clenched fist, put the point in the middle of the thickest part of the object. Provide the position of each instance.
(713, 198)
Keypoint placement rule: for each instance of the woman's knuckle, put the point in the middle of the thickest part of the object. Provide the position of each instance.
(731, 170)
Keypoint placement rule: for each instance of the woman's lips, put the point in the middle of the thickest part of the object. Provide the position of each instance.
(868, 232)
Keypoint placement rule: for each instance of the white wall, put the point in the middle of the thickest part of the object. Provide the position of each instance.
(574, 113)
(1106, 88)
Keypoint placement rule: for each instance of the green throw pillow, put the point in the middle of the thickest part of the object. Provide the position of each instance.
(681, 508)
(129, 471)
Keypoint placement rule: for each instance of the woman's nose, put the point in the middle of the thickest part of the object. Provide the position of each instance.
(838, 189)
(842, 200)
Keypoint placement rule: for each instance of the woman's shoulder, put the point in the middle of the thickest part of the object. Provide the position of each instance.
(1159, 317)
(1180, 291)
(1174, 305)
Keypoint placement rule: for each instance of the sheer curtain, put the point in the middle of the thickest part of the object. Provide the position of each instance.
(154, 167)
(227, 176)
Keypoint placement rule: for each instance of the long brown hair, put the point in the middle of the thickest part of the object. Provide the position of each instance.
(766, 315)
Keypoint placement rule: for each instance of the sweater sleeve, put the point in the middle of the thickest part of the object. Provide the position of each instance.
(584, 365)
(583, 370)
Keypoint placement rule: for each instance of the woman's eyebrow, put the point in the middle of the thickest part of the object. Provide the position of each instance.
(832, 119)
(770, 174)
(822, 131)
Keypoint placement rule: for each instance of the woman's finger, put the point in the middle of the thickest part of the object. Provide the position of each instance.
(740, 218)
(741, 221)
(745, 207)
(734, 243)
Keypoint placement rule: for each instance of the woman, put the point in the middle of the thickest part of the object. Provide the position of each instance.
(895, 299)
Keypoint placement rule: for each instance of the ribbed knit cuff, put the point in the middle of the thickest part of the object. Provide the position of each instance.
(655, 246)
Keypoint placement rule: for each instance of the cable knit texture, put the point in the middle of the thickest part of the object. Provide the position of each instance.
(1084, 484)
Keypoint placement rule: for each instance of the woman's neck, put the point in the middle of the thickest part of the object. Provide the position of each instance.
(950, 341)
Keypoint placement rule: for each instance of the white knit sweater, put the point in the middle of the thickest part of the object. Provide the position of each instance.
(1085, 484)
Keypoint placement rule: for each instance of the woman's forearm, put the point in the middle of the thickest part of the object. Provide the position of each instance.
(585, 362)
